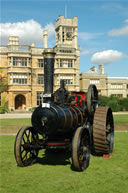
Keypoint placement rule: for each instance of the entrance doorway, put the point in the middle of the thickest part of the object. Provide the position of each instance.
(20, 102)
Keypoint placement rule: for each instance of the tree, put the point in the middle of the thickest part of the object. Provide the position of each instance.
(3, 88)
(3, 82)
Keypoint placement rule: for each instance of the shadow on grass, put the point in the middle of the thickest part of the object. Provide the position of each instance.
(50, 157)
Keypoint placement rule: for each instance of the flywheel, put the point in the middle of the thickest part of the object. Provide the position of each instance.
(92, 99)
(103, 131)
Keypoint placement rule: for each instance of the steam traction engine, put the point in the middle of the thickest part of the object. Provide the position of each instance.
(66, 121)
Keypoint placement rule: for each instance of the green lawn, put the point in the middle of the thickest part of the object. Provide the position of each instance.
(121, 118)
(13, 125)
(54, 174)
(121, 122)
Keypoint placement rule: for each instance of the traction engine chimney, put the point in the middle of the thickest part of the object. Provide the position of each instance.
(48, 74)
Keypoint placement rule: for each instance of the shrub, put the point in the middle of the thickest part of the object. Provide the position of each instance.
(115, 103)
(4, 106)
(123, 102)
(33, 109)
(103, 101)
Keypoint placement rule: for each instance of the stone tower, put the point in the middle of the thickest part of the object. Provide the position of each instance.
(66, 31)
(67, 48)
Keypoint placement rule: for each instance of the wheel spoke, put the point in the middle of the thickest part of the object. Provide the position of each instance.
(27, 136)
(23, 139)
(22, 151)
(25, 156)
(108, 128)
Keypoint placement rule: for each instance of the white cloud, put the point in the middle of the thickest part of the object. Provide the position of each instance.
(115, 7)
(126, 21)
(87, 36)
(51, 29)
(106, 57)
(86, 52)
(29, 32)
(119, 32)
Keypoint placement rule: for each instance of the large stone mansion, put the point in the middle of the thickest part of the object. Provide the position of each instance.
(107, 86)
(23, 66)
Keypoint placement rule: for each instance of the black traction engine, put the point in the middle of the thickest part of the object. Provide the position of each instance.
(68, 121)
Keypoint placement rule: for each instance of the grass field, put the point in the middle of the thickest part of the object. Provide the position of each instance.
(53, 174)
(121, 122)
(120, 119)
(13, 125)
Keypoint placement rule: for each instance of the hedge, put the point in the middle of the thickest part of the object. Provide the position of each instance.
(116, 103)
(4, 106)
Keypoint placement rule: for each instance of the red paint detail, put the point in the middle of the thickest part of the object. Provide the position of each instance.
(83, 96)
(79, 97)
(76, 98)
(62, 143)
(80, 101)
(25, 146)
(106, 156)
(40, 142)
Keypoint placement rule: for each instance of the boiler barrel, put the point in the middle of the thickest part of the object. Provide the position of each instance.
(55, 119)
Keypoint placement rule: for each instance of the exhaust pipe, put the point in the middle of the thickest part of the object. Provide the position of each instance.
(49, 56)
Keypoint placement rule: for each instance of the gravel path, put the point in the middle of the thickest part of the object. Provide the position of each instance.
(15, 115)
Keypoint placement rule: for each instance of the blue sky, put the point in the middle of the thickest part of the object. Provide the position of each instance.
(102, 28)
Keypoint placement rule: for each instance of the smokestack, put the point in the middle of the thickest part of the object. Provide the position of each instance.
(101, 68)
(45, 38)
(48, 74)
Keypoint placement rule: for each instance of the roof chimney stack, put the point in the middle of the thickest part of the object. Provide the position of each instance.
(13, 41)
(45, 36)
(93, 69)
(101, 68)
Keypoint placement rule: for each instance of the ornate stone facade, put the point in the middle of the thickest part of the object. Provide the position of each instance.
(107, 86)
(117, 86)
(23, 65)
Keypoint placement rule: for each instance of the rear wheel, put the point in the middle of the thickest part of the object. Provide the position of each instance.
(24, 153)
(103, 131)
(80, 149)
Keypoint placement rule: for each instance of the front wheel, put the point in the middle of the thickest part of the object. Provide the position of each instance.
(80, 149)
(24, 152)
